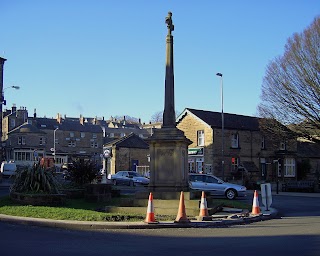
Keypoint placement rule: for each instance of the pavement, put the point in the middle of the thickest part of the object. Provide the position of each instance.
(225, 218)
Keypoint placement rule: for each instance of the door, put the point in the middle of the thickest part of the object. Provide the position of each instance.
(134, 163)
(212, 184)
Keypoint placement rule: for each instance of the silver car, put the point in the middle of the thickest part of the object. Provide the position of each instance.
(129, 178)
(215, 186)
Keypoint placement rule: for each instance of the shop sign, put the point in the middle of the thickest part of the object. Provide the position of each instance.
(195, 151)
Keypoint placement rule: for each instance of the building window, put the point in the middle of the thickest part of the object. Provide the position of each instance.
(263, 143)
(199, 165)
(94, 144)
(21, 140)
(122, 134)
(200, 135)
(234, 163)
(23, 155)
(263, 167)
(94, 136)
(289, 167)
(12, 123)
(71, 144)
(235, 140)
(283, 145)
(82, 135)
(71, 134)
(191, 166)
(111, 135)
(42, 141)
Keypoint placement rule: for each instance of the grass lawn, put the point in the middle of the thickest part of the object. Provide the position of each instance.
(81, 210)
(75, 209)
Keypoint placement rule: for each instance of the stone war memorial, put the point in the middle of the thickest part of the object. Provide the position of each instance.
(168, 145)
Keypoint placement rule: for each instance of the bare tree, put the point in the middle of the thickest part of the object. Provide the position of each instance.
(291, 86)
(129, 119)
(157, 117)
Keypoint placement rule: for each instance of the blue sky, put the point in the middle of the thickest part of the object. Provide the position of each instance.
(107, 58)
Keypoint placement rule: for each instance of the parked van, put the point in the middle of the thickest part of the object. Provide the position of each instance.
(8, 168)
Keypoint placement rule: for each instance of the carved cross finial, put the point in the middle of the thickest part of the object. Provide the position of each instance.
(170, 26)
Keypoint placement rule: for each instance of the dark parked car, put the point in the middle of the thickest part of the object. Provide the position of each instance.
(129, 178)
(215, 186)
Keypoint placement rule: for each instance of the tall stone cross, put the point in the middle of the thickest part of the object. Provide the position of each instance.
(170, 26)
(169, 116)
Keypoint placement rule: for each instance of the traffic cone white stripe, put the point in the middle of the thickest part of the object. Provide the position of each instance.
(203, 206)
(150, 208)
(255, 203)
(150, 211)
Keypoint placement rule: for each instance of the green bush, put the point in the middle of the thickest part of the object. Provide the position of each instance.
(35, 179)
(83, 172)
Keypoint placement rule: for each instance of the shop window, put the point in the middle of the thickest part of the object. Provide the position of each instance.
(199, 165)
(191, 166)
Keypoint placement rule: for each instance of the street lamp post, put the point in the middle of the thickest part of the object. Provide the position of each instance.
(54, 145)
(222, 125)
(3, 102)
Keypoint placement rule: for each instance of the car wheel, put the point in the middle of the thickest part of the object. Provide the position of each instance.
(131, 183)
(231, 194)
(114, 182)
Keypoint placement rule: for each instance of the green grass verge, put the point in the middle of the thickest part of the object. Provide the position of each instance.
(81, 210)
(76, 209)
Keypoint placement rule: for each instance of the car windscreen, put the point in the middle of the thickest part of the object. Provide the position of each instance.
(210, 179)
(196, 178)
(134, 174)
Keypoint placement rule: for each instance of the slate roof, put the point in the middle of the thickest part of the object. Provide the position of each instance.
(129, 141)
(308, 149)
(26, 128)
(66, 125)
(231, 121)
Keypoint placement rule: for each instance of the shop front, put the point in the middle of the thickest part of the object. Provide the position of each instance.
(196, 160)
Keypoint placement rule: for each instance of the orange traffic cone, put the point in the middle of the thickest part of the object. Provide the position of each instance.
(182, 216)
(204, 213)
(150, 219)
(255, 204)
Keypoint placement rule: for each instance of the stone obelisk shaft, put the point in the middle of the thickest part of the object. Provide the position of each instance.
(2, 60)
(169, 116)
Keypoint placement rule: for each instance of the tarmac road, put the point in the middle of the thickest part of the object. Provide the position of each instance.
(290, 236)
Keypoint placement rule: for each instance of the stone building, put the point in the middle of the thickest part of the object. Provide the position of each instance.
(26, 139)
(247, 155)
(127, 153)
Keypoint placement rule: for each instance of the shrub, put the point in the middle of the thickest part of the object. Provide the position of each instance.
(35, 179)
(83, 171)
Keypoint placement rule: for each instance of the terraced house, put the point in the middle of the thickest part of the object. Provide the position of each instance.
(27, 139)
(247, 154)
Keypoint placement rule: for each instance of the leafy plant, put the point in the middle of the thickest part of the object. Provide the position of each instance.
(83, 171)
(35, 179)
